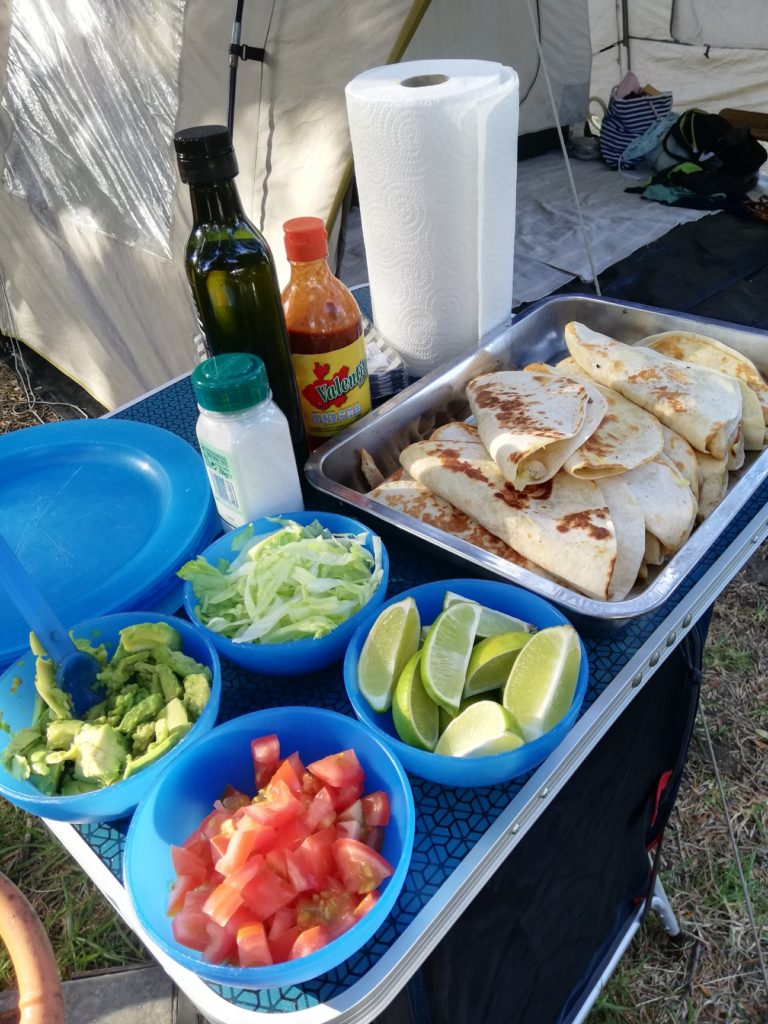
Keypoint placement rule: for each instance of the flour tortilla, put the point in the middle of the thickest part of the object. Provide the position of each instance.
(629, 523)
(702, 405)
(682, 456)
(531, 422)
(713, 483)
(562, 524)
(698, 348)
(666, 499)
(627, 435)
(736, 453)
(400, 491)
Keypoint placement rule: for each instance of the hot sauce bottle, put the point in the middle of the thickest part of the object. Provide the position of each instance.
(325, 333)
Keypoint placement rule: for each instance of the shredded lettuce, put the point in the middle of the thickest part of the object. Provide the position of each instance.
(301, 581)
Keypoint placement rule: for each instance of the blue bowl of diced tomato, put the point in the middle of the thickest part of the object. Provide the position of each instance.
(273, 849)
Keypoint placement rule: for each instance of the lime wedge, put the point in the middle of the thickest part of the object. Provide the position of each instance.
(446, 654)
(491, 661)
(491, 622)
(446, 717)
(542, 682)
(484, 728)
(415, 714)
(392, 641)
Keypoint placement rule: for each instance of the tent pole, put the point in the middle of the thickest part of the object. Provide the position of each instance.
(625, 35)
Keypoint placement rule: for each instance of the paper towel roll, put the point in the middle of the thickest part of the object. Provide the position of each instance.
(435, 150)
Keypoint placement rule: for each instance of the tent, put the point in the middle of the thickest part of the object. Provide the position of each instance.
(93, 220)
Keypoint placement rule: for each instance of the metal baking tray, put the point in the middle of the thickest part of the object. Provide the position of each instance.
(534, 336)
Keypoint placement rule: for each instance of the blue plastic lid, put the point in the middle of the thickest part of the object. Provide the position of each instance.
(101, 513)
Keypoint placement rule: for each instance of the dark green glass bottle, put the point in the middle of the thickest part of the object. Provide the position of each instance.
(231, 270)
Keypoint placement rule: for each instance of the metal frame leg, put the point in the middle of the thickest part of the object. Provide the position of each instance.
(663, 909)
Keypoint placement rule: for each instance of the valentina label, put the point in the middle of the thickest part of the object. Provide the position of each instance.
(322, 393)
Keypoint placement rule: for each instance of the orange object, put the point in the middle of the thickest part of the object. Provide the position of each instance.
(325, 333)
(40, 999)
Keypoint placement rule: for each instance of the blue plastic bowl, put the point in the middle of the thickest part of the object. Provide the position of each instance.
(185, 793)
(17, 703)
(294, 657)
(470, 771)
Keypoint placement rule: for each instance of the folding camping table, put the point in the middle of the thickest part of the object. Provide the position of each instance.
(469, 844)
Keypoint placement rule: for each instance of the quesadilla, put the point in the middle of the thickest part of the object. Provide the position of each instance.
(531, 422)
(629, 523)
(562, 524)
(736, 452)
(698, 348)
(627, 436)
(682, 457)
(713, 483)
(400, 491)
(702, 405)
(666, 499)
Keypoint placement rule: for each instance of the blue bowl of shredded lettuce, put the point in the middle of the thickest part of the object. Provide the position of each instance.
(283, 595)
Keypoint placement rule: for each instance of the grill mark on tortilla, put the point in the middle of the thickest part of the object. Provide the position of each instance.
(582, 520)
(647, 374)
(519, 413)
(452, 520)
(450, 459)
(521, 500)
(671, 398)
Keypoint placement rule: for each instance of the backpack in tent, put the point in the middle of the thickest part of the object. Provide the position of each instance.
(727, 156)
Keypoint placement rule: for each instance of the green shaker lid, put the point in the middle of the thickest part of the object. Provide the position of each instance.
(230, 382)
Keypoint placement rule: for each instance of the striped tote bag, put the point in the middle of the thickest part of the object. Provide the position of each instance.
(627, 119)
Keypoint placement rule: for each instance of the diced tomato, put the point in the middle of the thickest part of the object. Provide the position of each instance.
(214, 823)
(183, 885)
(368, 902)
(289, 836)
(241, 918)
(310, 785)
(353, 813)
(195, 900)
(276, 861)
(233, 798)
(287, 772)
(282, 920)
(276, 806)
(350, 829)
(219, 845)
(265, 834)
(239, 849)
(222, 903)
(265, 752)
(252, 946)
(362, 869)
(300, 873)
(376, 808)
(282, 945)
(186, 862)
(310, 941)
(321, 812)
(190, 928)
(333, 909)
(198, 846)
(346, 795)
(374, 837)
(317, 853)
(221, 944)
(242, 876)
(266, 893)
(342, 769)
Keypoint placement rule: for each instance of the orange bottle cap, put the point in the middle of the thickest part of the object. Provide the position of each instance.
(305, 239)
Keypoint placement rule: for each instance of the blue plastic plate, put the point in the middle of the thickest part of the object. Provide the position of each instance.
(101, 513)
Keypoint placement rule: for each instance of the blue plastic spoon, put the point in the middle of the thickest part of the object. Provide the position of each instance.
(75, 670)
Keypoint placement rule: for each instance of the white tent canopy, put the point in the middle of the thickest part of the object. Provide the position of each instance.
(93, 220)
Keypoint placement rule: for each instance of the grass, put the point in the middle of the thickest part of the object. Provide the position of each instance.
(84, 930)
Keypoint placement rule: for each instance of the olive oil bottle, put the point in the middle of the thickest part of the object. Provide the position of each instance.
(231, 270)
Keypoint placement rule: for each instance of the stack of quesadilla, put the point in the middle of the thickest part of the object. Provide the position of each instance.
(589, 471)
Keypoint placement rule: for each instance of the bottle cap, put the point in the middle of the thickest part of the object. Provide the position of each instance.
(205, 154)
(230, 382)
(305, 239)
